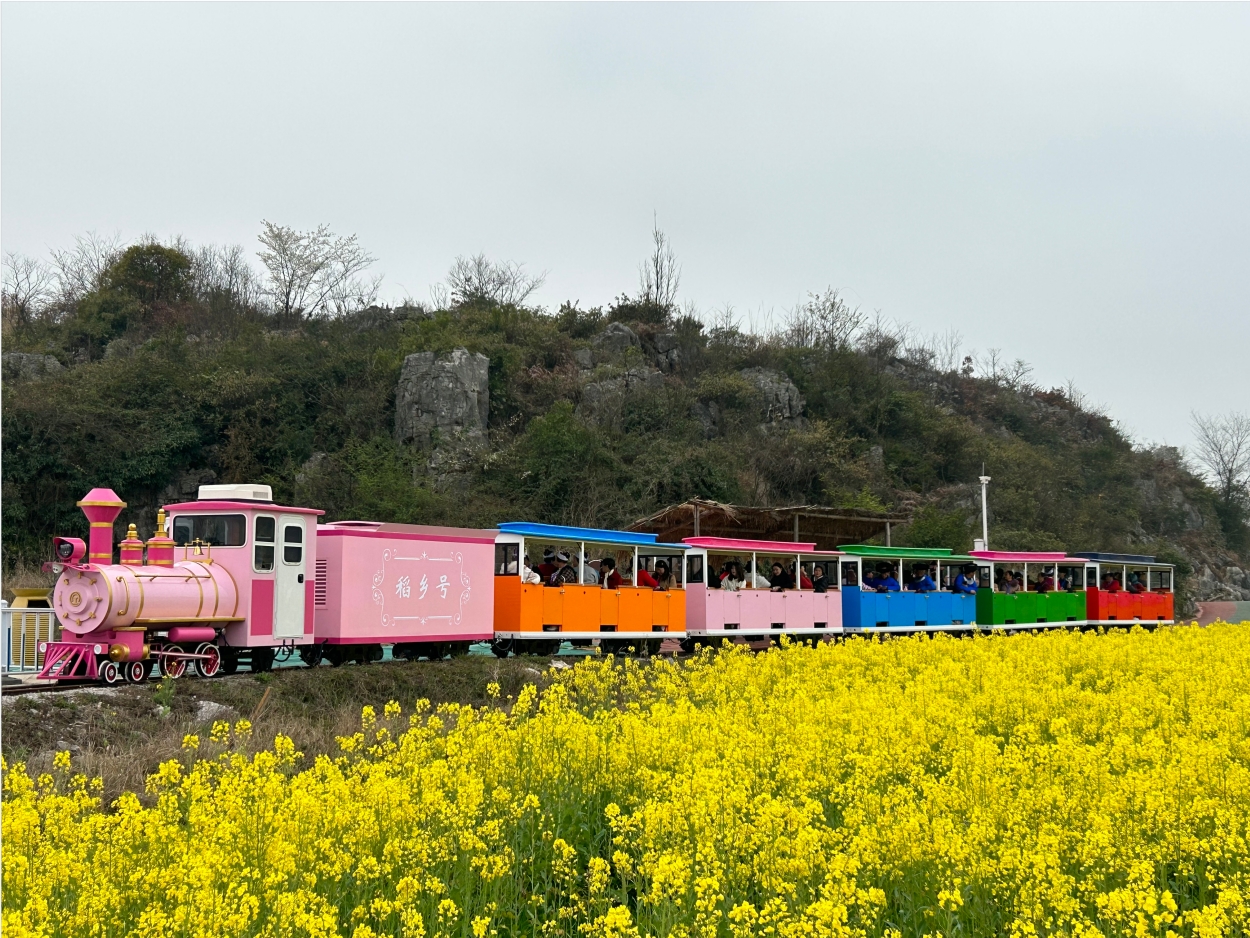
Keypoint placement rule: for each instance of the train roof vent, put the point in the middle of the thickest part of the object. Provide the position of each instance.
(236, 493)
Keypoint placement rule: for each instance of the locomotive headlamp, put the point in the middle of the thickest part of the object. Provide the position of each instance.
(68, 549)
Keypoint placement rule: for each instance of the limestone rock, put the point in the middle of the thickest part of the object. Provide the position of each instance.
(615, 341)
(602, 400)
(585, 359)
(780, 400)
(443, 399)
(26, 366)
(667, 354)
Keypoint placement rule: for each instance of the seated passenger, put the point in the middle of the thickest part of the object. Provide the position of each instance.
(819, 583)
(966, 582)
(733, 578)
(529, 576)
(870, 580)
(548, 566)
(1110, 583)
(664, 579)
(1010, 584)
(1135, 585)
(607, 569)
(805, 582)
(564, 574)
(921, 582)
(886, 581)
(645, 578)
(779, 579)
(590, 576)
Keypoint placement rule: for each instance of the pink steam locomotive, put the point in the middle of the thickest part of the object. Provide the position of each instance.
(233, 577)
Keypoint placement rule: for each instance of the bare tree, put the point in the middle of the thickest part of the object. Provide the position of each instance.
(660, 276)
(223, 273)
(823, 320)
(1223, 448)
(479, 279)
(28, 289)
(314, 273)
(81, 269)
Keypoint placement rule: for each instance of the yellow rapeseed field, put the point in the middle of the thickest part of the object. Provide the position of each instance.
(1058, 784)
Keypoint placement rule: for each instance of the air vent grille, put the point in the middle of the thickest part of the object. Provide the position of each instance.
(319, 584)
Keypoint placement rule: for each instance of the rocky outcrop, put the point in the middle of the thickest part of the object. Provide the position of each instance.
(667, 354)
(779, 398)
(443, 399)
(602, 400)
(26, 366)
(614, 341)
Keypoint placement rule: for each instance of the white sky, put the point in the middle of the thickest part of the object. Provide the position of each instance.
(1069, 183)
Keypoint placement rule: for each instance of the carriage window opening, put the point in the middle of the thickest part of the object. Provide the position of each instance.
(262, 554)
(217, 530)
(850, 574)
(1165, 580)
(983, 578)
(292, 544)
(694, 568)
(507, 559)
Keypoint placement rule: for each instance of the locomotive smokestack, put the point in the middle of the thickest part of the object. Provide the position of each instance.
(101, 506)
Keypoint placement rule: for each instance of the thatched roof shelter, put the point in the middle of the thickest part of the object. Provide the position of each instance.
(828, 527)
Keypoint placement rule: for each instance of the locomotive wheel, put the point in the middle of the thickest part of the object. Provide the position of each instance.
(209, 666)
(110, 673)
(173, 667)
(500, 647)
(311, 655)
(262, 660)
(335, 654)
(229, 661)
(136, 672)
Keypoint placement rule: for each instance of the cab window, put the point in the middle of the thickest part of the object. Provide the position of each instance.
(217, 530)
(262, 553)
(292, 544)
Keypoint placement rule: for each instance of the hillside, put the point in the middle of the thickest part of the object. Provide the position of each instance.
(157, 378)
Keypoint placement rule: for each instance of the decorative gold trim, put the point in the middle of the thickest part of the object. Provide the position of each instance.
(122, 612)
(101, 524)
(142, 598)
(86, 504)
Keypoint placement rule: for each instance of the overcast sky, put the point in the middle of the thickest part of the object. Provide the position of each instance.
(1069, 183)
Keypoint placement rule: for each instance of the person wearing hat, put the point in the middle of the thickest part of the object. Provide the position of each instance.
(966, 582)
(886, 581)
(921, 582)
(564, 574)
(548, 566)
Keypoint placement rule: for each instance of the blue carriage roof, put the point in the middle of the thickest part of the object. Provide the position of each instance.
(558, 532)
(1098, 557)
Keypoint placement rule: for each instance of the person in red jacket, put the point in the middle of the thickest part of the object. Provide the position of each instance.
(608, 576)
(645, 578)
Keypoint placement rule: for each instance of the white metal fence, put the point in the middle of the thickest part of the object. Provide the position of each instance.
(23, 630)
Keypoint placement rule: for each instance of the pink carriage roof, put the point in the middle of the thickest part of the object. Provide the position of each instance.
(1022, 556)
(765, 547)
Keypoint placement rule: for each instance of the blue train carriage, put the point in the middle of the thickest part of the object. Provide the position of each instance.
(621, 589)
(904, 589)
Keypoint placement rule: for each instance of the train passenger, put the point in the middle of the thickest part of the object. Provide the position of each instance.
(756, 579)
(886, 581)
(1135, 584)
(966, 582)
(805, 582)
(645, 578)
(819, 583)
(779, 579)
(548, 566)
(529, 576)
(590, 575)
(664, 579)
(921, 582)
(870, 580)
(1110, 583)
(1045, 581)
(564, 574)
(733, 578)
(611, 579)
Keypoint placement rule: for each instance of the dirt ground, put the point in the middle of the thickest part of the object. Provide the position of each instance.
(123, 733)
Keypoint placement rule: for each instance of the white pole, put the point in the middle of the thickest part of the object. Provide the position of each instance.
(985, 514)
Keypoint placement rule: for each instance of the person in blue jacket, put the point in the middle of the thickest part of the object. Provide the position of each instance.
(921, 582)
(886, 582)
(966, 582)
